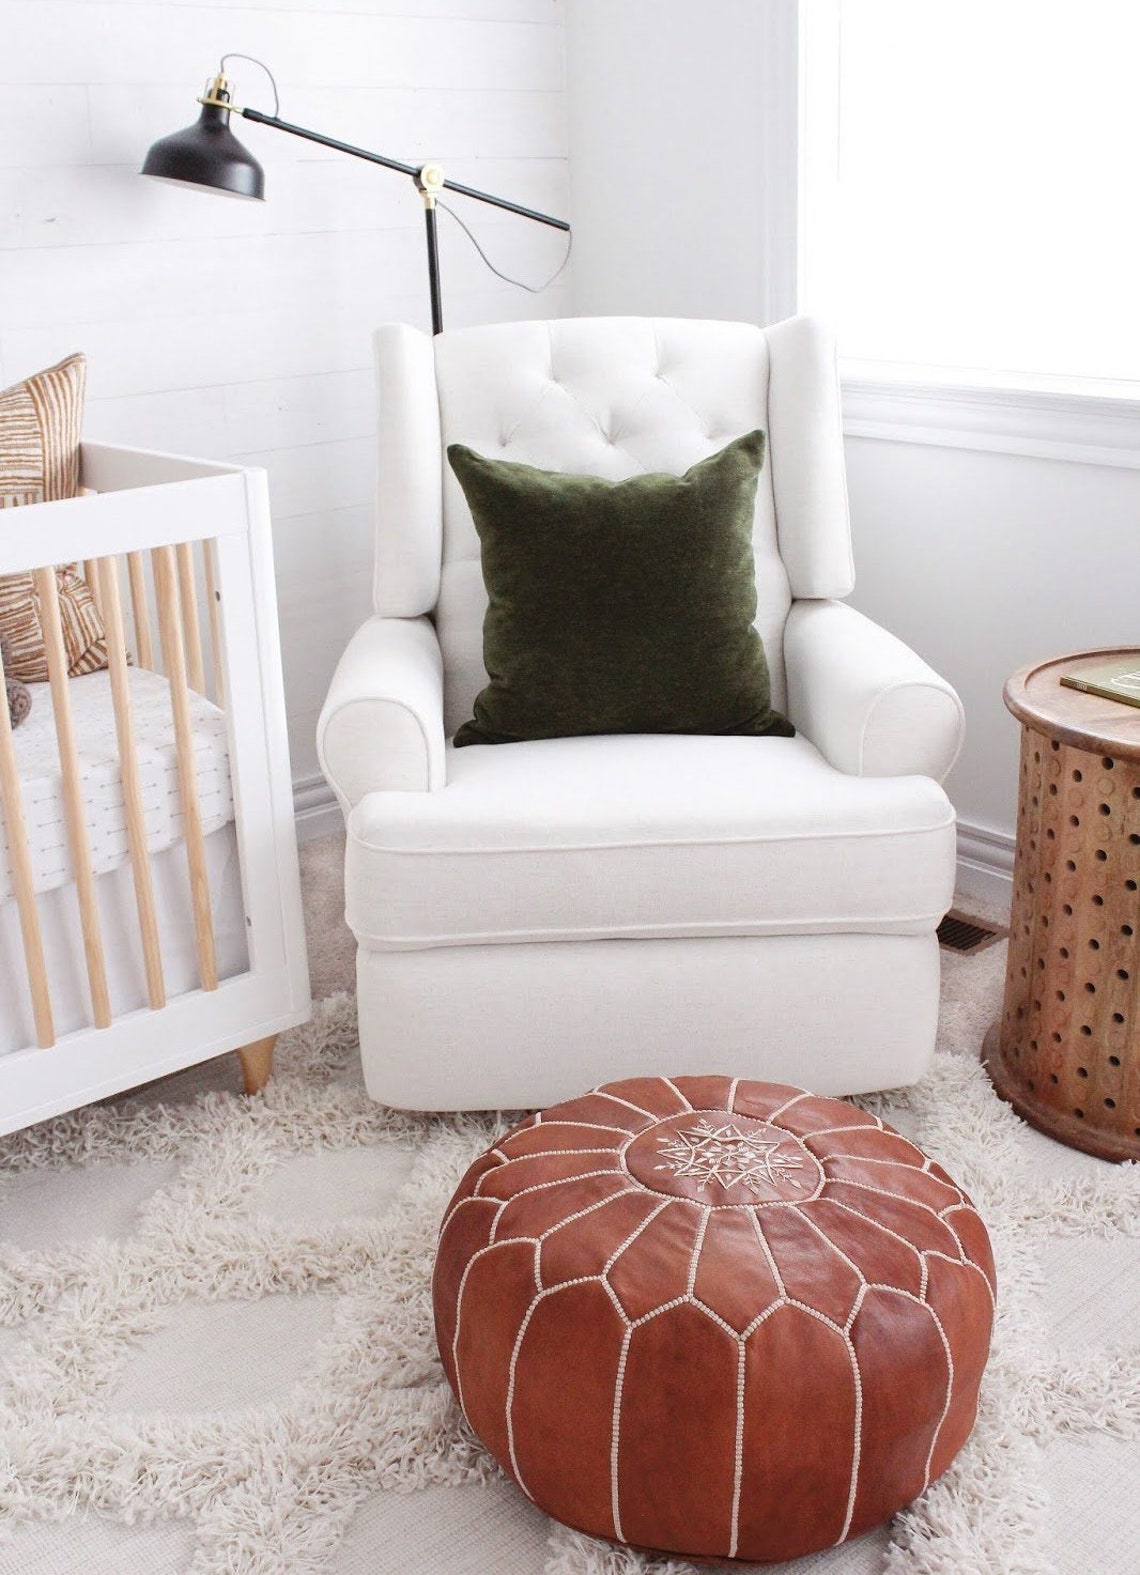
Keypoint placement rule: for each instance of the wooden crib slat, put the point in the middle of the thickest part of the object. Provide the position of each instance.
(47, 591)
(140, 609)
(215, 623)
(21, 862)
(108, 570)
(193, 635)
(170, 628)
(91, 575)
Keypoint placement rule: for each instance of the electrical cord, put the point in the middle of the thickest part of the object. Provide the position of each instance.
(253, 60)
(535, 289)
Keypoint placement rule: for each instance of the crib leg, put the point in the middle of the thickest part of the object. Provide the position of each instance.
(256, 1063)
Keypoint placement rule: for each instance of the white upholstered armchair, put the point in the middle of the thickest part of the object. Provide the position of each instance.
(534, 918)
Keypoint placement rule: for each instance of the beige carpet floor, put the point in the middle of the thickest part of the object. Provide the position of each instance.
(231, 1373)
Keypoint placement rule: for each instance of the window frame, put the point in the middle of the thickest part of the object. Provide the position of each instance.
(1080, 420)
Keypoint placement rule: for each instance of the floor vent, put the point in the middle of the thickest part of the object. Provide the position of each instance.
(958, 932)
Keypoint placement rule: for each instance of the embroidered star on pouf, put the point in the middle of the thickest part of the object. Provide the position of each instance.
(728, 1157)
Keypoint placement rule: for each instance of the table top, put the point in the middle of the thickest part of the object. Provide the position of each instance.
(1036, 696)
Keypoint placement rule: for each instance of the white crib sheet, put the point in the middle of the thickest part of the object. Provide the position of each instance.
(40, 778)
(118, 920)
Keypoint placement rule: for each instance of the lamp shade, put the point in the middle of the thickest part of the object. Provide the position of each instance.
(209, 156)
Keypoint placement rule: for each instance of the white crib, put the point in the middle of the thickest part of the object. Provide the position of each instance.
(150, 908)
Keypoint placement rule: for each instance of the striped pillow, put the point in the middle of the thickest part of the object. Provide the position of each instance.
(40, 422)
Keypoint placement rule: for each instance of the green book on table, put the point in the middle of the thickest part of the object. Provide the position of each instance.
(1115, 680)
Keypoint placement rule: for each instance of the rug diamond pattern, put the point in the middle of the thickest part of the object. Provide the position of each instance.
(359, 1414)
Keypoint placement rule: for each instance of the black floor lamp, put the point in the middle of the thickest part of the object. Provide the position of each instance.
(209, 156)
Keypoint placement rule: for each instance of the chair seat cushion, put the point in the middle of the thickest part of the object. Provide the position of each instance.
(637, 836)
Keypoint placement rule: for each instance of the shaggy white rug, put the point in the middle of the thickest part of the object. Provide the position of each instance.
(216, 1350)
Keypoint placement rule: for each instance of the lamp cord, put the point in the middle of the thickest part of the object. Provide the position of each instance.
(535, 289)
(253, 60)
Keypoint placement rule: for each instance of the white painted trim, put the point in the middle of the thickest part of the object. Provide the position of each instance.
(315, 809)
(1080, 428)
(780, 134)
(985, 864)
(818, 251)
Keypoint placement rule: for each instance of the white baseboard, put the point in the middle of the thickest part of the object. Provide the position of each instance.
(985, 864)
(315, 809)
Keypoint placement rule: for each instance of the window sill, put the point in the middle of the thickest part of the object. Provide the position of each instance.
(1086, 423)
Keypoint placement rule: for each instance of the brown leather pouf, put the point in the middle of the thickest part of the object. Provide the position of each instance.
(714, 1318)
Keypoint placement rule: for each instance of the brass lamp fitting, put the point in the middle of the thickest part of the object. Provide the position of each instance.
(429, 183)
(217, 94)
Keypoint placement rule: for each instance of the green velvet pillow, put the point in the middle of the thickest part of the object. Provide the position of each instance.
(618, 607)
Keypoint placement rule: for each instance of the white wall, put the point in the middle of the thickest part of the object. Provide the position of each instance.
(985, 562)
(242, 331)
(680, 153)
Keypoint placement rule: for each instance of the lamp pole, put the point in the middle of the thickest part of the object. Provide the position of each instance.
(429, 180)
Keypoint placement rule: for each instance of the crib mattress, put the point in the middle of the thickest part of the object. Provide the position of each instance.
(37, 757)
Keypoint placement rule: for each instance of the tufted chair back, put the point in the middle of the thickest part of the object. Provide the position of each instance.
(612, 397)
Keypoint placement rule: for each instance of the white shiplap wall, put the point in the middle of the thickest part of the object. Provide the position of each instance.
(242, 331)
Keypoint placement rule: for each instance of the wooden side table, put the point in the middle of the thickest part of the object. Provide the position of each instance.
(1066, 1052)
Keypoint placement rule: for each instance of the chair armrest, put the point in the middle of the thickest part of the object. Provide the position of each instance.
(381, 725)
(867, 702)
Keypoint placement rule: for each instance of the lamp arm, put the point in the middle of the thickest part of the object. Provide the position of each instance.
(329, 142)
(413, 170)
(501, 202)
